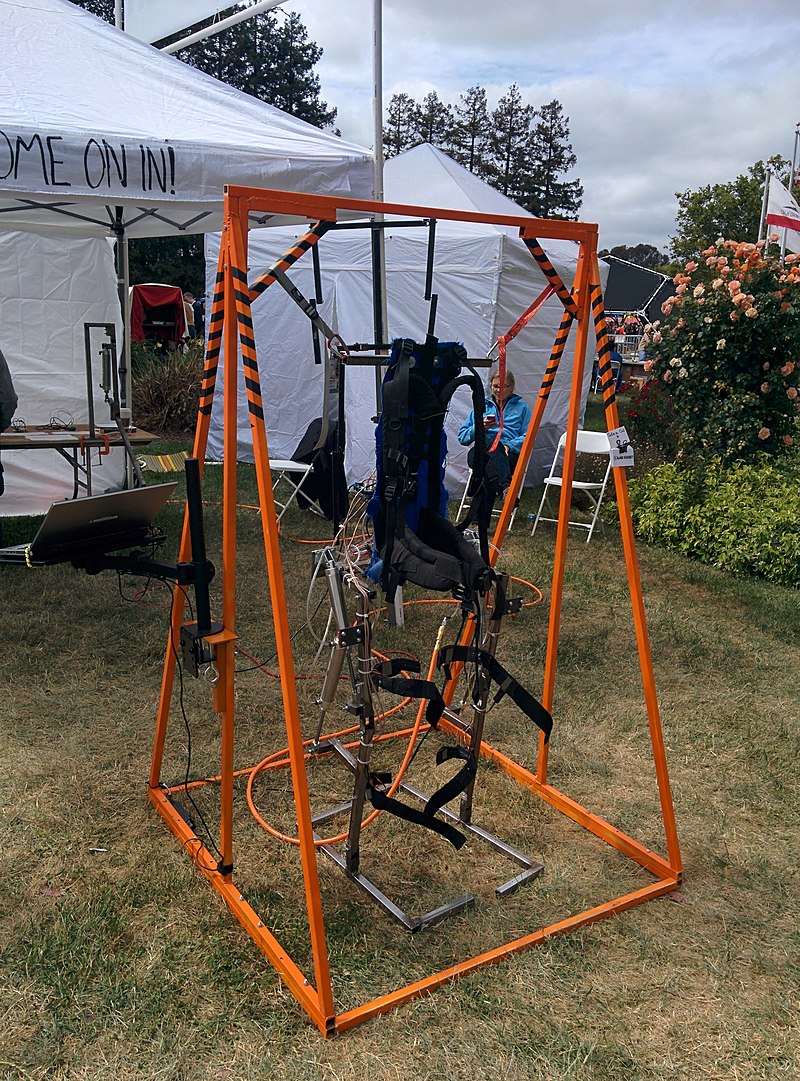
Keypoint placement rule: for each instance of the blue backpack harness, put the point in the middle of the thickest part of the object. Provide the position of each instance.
(414, 541)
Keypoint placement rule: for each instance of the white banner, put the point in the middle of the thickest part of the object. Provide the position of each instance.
(43, 161)
(152, 20)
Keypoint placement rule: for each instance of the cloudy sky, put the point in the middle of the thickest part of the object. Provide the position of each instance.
(660, 97)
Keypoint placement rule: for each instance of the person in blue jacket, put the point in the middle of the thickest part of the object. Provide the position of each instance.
(516, 418)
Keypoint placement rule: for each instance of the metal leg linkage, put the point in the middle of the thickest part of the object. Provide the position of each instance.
(356, 637)
(480, 693)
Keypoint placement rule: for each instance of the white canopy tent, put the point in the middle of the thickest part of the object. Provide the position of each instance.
(99, 132)
(103, 136)
(484, 276)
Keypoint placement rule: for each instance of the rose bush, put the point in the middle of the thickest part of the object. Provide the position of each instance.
(728, 351)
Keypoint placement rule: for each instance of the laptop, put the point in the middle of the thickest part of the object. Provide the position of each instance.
(97, 523)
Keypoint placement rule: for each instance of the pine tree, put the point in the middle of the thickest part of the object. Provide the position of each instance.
(545, 195)
(270, 57)
(471, 128)
(509, 144)
(434, 120)
(103, 9)
(402, 125)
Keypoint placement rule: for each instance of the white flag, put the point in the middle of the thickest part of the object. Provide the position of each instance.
(783, 212)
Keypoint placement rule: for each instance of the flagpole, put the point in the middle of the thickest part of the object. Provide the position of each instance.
(791, 182)
(762, 225)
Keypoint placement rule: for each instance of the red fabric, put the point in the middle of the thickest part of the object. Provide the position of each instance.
(157, 313)
(783, 221)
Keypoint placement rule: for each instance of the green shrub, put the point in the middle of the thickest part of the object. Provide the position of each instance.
(166, 389)
(143, 354)
(743, 518)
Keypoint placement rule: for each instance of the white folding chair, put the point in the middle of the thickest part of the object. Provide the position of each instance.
(293, 475)
(495, 512)
(593, 444)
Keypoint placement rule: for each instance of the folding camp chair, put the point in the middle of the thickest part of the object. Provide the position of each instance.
(292, 475)
(616, 365)
(588, 443)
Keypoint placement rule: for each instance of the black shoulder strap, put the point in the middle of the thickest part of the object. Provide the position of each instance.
(394, 417)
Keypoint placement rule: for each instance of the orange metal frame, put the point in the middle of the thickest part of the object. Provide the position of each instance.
(231, 327)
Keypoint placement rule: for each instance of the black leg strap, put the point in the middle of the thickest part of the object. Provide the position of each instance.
(422, 688)
(395, 665)
(506, 683)
(458, 783)
(381, 802)
(406, 687)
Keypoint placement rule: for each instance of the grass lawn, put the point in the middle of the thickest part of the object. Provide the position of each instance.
(118, 961)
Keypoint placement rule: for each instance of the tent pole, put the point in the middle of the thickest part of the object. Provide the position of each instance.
(123, 288)
(764, 203)
(379, 246)
(223, 24)
(791, 185)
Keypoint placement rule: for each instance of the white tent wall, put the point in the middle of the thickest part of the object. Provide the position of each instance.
(529, 353)
(484, 279)
(49, 287)
(292, 385)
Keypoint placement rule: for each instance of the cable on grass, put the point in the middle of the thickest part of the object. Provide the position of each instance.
(279, 759)
(187, 726)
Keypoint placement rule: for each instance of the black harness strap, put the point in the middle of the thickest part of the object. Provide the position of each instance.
(458, 783)
(396, 481)
(506, 683)
(395, 665)
(381, 802)
(386, 676)
(405, 687)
